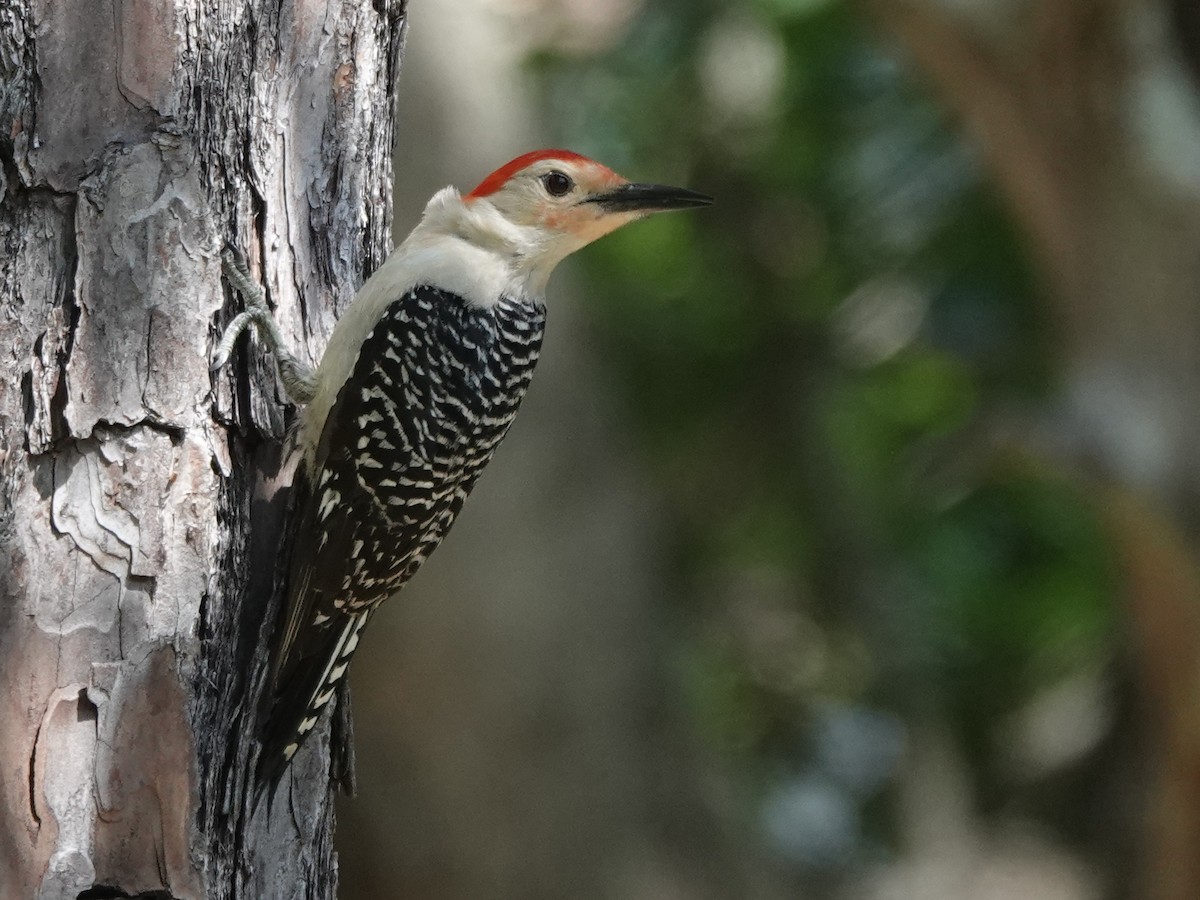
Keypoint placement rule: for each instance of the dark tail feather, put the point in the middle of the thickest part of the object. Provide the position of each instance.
(306, 687)
(268, 773)
(269, 553)
(271, 767)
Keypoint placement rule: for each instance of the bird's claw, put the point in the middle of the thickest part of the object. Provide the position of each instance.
(233, 331)
(298, 378)
(237, 273)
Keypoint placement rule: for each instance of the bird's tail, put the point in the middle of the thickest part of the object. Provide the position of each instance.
(304, 685)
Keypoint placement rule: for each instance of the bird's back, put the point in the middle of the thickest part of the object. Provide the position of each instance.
(435, 387)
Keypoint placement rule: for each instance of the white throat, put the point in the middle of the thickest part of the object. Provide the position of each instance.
(471, 249)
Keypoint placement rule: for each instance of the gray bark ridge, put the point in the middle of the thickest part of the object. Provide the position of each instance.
(135, 139)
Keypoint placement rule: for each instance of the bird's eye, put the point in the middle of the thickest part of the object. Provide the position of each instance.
(557, 184)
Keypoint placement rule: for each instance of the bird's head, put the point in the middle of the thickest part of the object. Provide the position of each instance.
(547, 204)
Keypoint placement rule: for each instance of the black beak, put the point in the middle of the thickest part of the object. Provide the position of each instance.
(649, 198)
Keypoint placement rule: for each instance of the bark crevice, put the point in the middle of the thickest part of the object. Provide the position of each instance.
(133, 143)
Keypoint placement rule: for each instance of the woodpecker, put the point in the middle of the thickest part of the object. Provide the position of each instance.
(419, 383)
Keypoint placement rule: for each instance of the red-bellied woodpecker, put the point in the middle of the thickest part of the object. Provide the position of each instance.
(421, 379)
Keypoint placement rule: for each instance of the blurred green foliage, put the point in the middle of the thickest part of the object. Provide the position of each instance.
(815, 368)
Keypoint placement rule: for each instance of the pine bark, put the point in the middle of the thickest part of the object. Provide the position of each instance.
(136, 138)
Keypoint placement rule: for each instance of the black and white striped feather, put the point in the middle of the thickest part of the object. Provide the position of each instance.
(434, 389)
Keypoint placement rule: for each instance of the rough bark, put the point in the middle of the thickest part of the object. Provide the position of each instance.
(135, 138)
(1087, 114)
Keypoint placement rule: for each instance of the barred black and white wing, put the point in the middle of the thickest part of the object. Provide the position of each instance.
(434, 389)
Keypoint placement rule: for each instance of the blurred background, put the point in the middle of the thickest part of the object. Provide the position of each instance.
(847, 543)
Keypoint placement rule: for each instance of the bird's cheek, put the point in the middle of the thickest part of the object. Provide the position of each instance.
(594, 228)
(555, 220)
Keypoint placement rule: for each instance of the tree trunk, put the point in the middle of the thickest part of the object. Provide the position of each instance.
(135, 139)
(1087, 113)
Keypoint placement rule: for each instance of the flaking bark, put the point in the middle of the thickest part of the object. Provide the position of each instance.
(135, 139)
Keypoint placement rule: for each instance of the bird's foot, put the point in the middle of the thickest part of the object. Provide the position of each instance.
(299, 379)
